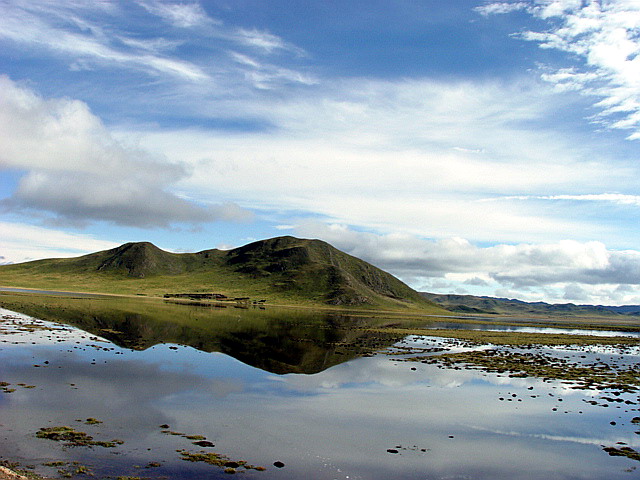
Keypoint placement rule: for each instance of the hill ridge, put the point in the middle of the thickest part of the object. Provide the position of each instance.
(475, 304)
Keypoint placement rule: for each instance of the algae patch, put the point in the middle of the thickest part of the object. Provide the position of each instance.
(73, 438)
(217, 460)
(595, 375)
(623, 452)
(68, 470)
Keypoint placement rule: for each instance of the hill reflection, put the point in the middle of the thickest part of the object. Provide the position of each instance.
(276, 340)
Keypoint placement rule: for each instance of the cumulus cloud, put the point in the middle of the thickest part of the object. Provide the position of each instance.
(77, 171)
(575, 293)
(477, 281)
(605, 36)
(77, 198)
(576, 270)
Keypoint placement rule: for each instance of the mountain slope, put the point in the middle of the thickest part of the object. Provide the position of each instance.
(283, 269)
(317, 268)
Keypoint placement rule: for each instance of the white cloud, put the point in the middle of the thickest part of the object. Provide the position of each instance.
(265, 42)
(184, 15)
(615, 198)
(585, 271)
(79, 198)
(605, 35)
(261, 40)
(92, 37)
(21, 243)
(266, 76)
(189, 15)
(500, 7)
(413, 156)
(77, 171)
(48, 27)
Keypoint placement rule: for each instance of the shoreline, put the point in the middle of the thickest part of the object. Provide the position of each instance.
(9, 474)
(595, 322)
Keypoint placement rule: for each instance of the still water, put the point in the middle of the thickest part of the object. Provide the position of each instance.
(306, 392)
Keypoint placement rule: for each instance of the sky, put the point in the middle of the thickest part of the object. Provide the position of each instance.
(467, 146)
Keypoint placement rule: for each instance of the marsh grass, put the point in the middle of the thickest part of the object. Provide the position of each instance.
(542, 366)
(515, 338)
(218, 460)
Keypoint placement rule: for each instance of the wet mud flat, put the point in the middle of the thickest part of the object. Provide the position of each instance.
(74, 404)
(609, 373)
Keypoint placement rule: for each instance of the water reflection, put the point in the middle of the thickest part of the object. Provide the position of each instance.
(276, 340)
(374, 417)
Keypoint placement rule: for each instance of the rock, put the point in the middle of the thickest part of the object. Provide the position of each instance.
(204, 443)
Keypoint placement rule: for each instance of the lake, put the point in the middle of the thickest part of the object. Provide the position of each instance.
(294, 394)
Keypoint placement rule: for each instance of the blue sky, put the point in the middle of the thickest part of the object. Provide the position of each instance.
(466, 146)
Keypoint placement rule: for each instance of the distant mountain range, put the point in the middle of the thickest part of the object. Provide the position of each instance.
(280, 270)
(488, 305)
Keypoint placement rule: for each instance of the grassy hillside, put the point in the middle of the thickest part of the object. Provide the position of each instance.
(283, 270)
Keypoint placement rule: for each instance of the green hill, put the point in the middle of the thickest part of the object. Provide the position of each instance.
(280, 270)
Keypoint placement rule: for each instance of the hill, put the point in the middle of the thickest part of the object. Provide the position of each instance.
(283, 270)
(503, 306)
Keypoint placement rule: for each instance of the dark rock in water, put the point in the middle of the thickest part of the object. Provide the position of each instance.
(232, 464)
(204, 443)
(164, 426)
(278, 464)
(392, 450)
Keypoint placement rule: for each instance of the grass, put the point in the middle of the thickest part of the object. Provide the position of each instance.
(541, 366)
(229, 283)
(513, 338)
